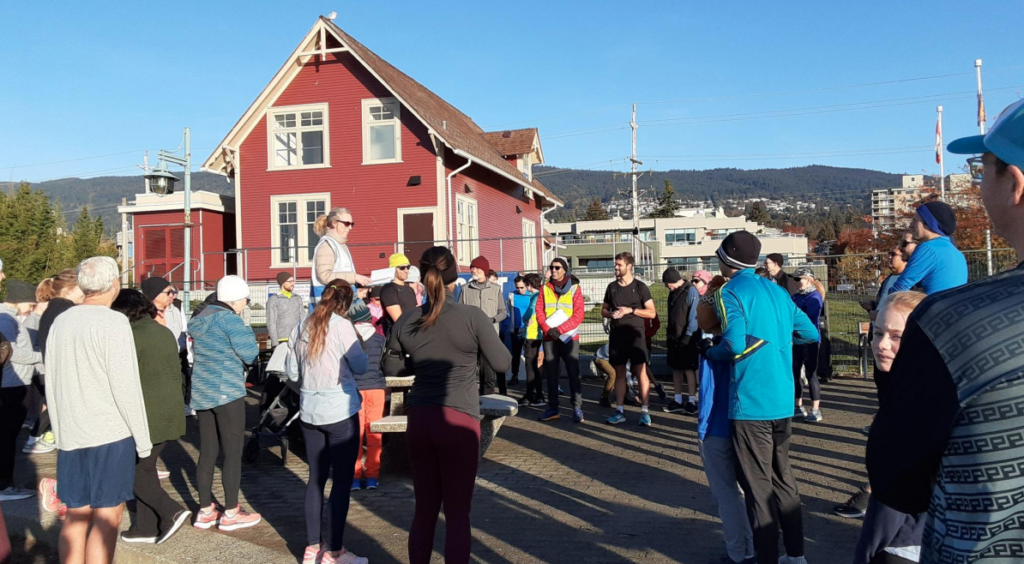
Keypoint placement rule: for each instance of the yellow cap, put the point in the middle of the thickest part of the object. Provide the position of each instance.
(396, 260)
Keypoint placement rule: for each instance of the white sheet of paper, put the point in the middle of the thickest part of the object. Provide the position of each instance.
(557, 318)
(278, 359)
(382, 276)
(569, 336)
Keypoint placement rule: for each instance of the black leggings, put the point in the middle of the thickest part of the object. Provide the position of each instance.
(42, 424)
(534, 381)
(517, 348)
(331, 450)
(222, 427)
(12, 415)
(806, 356)
(155, 508)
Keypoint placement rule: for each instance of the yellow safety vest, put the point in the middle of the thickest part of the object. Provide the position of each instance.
(552, 303)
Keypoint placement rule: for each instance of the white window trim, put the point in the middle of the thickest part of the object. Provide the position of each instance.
(365, 116)
(275, 233)
(474, 246)
(530, 266)
(271, 112)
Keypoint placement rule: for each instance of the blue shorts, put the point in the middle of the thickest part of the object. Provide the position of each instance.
(101, 476)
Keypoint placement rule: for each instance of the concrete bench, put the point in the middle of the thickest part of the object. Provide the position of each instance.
(494, 409)
(390, 424)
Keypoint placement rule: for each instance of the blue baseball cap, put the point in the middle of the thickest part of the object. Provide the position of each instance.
(1005, 139)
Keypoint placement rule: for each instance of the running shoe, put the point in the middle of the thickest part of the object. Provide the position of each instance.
(673, 407)
(514, 382)
(577, 416)
(242, 519)
(136, 536)
(162, 474)
(690, 408)
(14, 493)
(866, 431)
(800, 413)
(645, 419)
(344, 557)
(48, 495)
(660, 390)
(180, 518)
(357, 484)
(855, 507)
(538, 402)
(311, 554)
(372, 484)
(550, 414)
(814, 417)
(524, 401)
(38, 446)
(207, 518)
(792, 560)
(616, 418)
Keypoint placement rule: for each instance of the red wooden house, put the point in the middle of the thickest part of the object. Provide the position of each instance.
(340, 127)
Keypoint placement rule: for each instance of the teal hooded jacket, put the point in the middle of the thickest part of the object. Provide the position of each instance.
(760, 325)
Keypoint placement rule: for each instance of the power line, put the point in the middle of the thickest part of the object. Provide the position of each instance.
(71, 160)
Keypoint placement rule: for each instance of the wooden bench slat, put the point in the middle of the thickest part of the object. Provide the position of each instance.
(390, 424)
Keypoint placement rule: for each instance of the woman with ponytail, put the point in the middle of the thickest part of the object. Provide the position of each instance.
(441, 342)
(326, 355)
(331, 257)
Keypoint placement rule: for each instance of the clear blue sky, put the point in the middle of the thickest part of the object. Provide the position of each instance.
(85, 79)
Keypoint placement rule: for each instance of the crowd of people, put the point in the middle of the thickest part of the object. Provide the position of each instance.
(115, 373)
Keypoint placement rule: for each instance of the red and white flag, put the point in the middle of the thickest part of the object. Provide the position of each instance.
(938, 140)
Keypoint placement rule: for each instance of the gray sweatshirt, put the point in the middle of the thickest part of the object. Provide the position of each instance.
(24, 356)
(487, 297)
(93, 390)
(283, 314)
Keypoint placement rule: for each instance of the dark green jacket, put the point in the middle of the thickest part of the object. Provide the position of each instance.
(160, 373)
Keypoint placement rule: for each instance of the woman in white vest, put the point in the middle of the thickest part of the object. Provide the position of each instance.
(332, 259)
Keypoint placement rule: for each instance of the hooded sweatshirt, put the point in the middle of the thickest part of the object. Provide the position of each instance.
(222, 346)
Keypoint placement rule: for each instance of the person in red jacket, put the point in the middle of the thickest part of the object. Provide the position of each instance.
(559, 313)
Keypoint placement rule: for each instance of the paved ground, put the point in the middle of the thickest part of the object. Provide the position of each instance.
(546, 492)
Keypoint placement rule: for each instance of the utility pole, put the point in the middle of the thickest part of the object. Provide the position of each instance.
(124, 243)
(145, 169)
(636, 199)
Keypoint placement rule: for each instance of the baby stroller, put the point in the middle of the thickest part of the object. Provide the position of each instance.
(275, 417)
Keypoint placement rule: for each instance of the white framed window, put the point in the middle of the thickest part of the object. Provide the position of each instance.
(291, 221)
(467, 230)
(297, 137)
(382, 131)
(529, 246)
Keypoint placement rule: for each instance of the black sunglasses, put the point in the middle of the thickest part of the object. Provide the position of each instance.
(977, 167)
(406, 267)
(556, 267)
(349, 224)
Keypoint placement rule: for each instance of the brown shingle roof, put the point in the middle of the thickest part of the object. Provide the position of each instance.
(454, 127)
(512, 142)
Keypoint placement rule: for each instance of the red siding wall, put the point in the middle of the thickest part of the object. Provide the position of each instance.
(212, 232)
(496, 208)
(372, 192)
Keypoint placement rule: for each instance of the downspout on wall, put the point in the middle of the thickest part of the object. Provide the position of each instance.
(448, 197)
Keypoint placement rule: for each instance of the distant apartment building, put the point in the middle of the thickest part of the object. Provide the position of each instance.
(891, 207)
(687, 241)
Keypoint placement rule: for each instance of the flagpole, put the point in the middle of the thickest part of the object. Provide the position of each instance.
(981, 98)
(941, 156)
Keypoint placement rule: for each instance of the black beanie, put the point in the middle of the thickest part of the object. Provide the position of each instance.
(152, 287)
(561, 261)
(941, 217)
(739, 250)
(671, 276)
(19, 292)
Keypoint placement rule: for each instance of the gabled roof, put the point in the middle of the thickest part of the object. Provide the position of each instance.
(513, 142)
(454, 128)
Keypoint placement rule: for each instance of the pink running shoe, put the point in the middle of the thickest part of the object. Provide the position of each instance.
(206, 518)
(311, 554)
(344, 557)
(241, 519)
(48, 495)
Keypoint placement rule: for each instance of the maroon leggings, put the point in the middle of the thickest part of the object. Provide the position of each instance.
(444, 450)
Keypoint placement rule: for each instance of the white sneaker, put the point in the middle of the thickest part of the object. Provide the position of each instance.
(39, 447)
(14, 494)
(348, 558)
(162, 474)
(792, 560)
